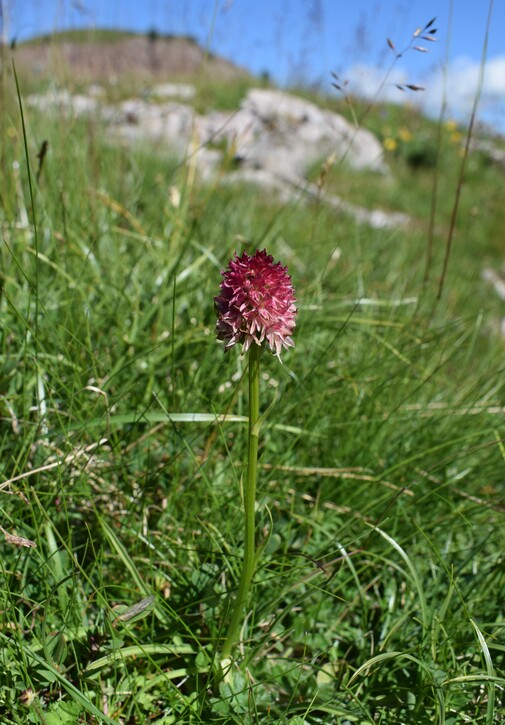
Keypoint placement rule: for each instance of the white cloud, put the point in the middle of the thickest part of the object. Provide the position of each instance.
(462, 84)
(371, 82)
(460, 80)
(494, 79)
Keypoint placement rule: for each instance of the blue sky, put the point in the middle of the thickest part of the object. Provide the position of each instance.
(307, 39)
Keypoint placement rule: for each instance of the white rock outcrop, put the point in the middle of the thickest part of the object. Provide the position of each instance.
(273, 137)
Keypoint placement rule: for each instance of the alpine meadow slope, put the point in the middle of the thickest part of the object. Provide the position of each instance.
(378, 589)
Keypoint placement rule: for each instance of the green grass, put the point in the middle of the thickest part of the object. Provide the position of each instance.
(379, 595)
(97, 35)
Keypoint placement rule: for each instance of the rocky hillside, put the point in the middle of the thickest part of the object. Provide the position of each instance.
(99, 56)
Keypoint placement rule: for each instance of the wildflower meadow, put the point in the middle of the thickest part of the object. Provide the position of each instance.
(252, 449)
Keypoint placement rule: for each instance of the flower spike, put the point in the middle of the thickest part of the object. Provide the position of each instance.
(256, 303)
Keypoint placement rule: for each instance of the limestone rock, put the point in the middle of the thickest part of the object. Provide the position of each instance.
(273, 136)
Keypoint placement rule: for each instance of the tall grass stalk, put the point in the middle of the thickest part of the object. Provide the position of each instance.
(35, 279)
(469, 135)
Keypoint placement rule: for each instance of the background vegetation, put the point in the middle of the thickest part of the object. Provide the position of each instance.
(379, 595)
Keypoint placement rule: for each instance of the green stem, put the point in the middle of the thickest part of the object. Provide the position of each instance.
(249, 502)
